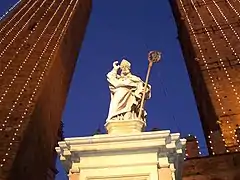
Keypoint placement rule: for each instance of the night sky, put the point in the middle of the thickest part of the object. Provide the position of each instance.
(129, 29)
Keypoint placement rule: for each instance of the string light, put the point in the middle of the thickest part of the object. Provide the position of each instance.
(47, 64)
(225, 37)
(15, 15)
(186, 147)
(199, 152)
(237, 135)
(213, 83)
(236, 34)
(203, 58)
(195, 140)
(233, 7)
(33, 70)
(30, 52)
(231, 47)
(21, 46)
(23, 27)
(219, 9)
(10, 10)
(210, 142)
(217, 52)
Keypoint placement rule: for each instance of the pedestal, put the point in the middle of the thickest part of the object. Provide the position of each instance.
(125, 126)
(132, 156)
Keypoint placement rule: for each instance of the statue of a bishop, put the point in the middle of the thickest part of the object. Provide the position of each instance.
(126, 93)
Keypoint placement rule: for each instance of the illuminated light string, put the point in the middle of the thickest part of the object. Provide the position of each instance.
(17, 51)
(10, 43)
(219, 9)
(236, 34)
(211, 145)
(30, 52)
(9, 10)
(199, 152)
(25, 40)
(237, 136)
(41, 76)
(203, 58)
(15, 15)
(34, 68)
(225, 37)
(233, 7)
(214, 46)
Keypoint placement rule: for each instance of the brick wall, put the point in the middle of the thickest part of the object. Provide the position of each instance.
(218, 167)
(208, 34)
(30, 131)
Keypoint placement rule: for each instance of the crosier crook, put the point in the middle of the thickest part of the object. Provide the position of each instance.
(153, 57)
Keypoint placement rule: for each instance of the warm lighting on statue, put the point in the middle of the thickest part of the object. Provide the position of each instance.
(128, 92)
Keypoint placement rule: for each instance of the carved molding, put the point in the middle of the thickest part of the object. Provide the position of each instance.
(75, 169)
(161, 165)
(167, 146)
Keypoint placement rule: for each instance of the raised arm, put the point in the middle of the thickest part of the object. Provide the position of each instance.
(112, 75)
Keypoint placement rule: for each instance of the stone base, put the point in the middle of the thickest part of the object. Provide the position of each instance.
(125, 126)
(141, 156)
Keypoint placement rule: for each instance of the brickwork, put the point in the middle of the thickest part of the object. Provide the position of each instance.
(218, 167)
(209, 35)
(39, 45)
(192, 148)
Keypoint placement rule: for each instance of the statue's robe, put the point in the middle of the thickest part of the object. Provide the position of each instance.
(126, 91)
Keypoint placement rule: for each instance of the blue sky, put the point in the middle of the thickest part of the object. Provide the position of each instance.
(129, 29)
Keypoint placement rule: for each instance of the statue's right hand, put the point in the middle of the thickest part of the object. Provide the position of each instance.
(115, 66)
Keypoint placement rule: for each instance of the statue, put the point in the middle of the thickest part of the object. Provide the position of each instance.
(126, 93)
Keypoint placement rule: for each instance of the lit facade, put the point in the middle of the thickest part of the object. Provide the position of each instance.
(39, 45)
(209, 34)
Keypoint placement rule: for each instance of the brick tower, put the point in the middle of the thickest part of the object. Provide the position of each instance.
(209, 34)
(39, 45)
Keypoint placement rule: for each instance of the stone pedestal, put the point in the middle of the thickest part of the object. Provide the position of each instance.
(125, 126)
(154, 155)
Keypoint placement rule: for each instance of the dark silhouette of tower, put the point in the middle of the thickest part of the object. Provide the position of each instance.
(39, 45)
(209, 34)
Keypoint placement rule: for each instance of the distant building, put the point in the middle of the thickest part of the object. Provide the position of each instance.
(39, 45)
(209, 35)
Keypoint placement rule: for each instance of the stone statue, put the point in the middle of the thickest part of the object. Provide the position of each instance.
(126, 93)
